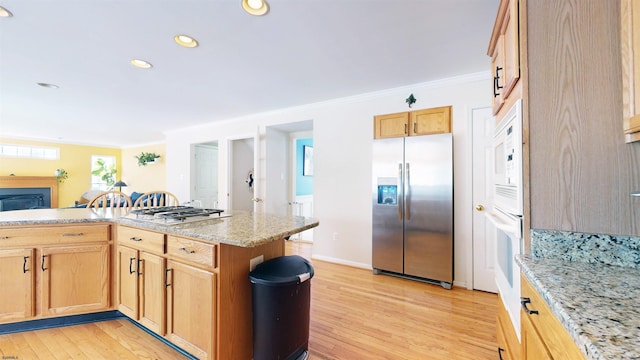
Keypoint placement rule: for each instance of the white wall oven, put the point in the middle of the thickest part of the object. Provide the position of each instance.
(508, 209)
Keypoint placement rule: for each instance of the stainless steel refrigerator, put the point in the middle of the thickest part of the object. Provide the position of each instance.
(413, 207)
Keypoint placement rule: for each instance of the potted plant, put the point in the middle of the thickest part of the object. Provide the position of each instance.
(61, 175)
(104, 171)
(146, 157)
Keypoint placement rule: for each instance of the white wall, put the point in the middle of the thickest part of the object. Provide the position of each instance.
(343, 135)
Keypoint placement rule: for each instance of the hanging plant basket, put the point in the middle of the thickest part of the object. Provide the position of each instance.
(146, 158)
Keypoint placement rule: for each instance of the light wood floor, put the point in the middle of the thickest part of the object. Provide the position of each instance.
(354, 315)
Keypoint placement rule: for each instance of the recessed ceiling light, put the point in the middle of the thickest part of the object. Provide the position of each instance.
(186, 41)
(255, 7)
(48, 86)
(5, 13)
(140, 63)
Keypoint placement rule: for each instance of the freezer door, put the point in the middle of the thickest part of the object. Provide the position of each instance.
(428, 248)
(388, 204)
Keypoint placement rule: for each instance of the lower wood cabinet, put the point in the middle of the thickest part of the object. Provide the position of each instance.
(74, 279)
(48, 271)
(191, 308)
(508, 344)
(141, 287)
(17, 281)
(543, 336)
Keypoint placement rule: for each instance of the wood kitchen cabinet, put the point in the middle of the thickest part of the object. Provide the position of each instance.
(508, 344)
(140, 273)
(413, 123)
(54, 270)
(191, 303)
(74, 279)
(543, 336)
(630, 50)
(17, 281)
(504, 50)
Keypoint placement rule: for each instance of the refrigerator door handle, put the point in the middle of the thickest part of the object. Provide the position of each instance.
(399, 199)
(407, 194)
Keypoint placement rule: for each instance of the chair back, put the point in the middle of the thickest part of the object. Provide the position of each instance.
(156, 199)
(110, 199)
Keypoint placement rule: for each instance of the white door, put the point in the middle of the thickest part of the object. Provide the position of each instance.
(205, 186)
(241, 174)
(484, 233)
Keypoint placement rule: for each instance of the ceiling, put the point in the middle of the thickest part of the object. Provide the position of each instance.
(301, 52)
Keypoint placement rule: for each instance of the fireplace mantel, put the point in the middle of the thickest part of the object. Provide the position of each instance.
(32, 182)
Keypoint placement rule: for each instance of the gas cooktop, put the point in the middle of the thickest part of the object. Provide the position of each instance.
(174, 214)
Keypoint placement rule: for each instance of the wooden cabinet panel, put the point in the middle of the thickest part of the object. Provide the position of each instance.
(391, 125)
(430, 121)
(127, 281)
(191, 302)
(152, 306)
(141, 239)
(506, 335)
(195, 252)
(17, 276)
(630, 50)
(53, 235)
(75, 279)
(543, 324)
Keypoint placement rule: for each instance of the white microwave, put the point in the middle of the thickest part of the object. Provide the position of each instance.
(507, 150)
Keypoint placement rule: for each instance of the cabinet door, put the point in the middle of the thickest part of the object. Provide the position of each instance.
(75, 279)
(511, 47)
(152, 290)
(191, 308)
(391, 125)
(16, 284)
(430, 121)
(533, 347)
(127, 281)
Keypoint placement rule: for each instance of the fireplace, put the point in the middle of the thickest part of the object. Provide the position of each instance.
(28, 192)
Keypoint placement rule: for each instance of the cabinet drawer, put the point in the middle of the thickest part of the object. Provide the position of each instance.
(192, 251)
(553, 334)
(141, 239)
(51, 235)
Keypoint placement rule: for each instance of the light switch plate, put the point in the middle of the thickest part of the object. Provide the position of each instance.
(255, 262)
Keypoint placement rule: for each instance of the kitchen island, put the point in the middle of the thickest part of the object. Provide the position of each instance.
(597, 303)
(187, 282)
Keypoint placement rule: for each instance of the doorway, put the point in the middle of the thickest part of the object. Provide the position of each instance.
(204, 184)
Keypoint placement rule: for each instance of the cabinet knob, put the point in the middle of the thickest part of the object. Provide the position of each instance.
(524, 301)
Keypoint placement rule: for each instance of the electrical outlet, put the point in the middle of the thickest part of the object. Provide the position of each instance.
(335, 236)
(255, 262)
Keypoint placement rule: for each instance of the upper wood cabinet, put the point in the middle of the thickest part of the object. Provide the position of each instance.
(504, 50)
(413, 123)
(630, 50)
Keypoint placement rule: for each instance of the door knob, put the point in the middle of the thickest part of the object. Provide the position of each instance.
(258, 200)
(479, 207)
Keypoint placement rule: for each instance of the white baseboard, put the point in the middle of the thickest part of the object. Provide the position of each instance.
(342, 262)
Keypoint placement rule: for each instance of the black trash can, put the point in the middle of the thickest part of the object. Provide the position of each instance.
(281, 294)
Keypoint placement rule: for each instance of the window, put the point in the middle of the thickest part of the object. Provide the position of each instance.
(103, 172)
(31, 152)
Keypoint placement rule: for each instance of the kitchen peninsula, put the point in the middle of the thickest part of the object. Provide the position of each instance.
(186, 282)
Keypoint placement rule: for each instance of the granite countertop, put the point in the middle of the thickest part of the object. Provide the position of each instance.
(238, 228)
(597, 303)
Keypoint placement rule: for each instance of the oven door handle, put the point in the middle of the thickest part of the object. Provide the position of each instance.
(502, 222)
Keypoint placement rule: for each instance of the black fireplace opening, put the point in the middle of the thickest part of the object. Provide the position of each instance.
(25, 198)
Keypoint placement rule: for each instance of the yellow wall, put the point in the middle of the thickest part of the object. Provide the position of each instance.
(75, 159)
(143, 178)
